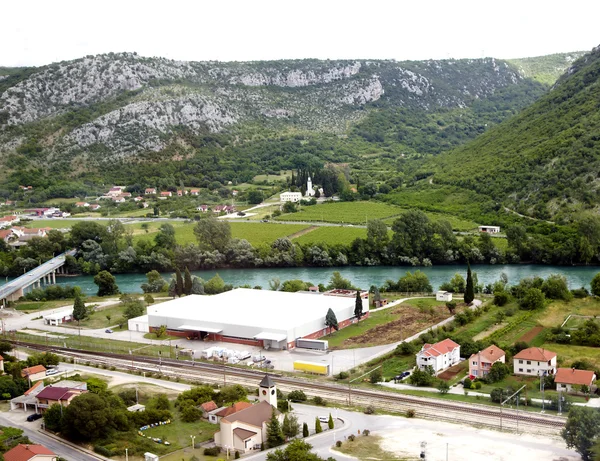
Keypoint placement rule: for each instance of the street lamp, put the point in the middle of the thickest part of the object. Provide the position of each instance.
(193, 437)
(126, 454)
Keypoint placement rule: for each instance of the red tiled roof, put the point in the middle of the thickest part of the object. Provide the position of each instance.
(238, 406)
(34, 387)
(441, 348)
(55, 393)
(573, 376)
(25, 452)
(32, 370)
(535, 353)
(209, 406)
(490, 354)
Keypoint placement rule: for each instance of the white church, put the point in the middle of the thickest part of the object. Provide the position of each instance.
(246, 429)
(310, 192)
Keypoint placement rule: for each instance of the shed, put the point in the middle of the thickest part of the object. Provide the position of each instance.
(443, 296)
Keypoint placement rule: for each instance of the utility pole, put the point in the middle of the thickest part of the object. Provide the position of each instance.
(506, 400)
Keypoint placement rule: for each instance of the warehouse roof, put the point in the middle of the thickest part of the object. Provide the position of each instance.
(264, 309)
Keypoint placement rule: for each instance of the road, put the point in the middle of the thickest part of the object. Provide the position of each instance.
(31, 429)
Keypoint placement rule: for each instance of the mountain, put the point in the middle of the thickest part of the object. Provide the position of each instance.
(545, 161)
(99, 115)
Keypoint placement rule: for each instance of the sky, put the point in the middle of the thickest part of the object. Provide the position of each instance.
(38, 32)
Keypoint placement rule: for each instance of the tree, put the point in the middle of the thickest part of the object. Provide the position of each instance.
(555, 287)
(375, 376)
(254, 196)
(165, 238)
(290, 426)
(133, 307)
(377, 235)
(213, 234)
(187, 282)
(197, 286)
(160, 331)
(108, 317)
(305, 432)
(469, 289)
(179, 282)
(53, 418)
(318, 428)
(297, 450)
(337, 282)
(533, 299)
(215, 285)
(330, 423)
(414, 283)
(107, 284)
(88, 417)
(274, 432)
(358, 306)
(498, 372)
(155, 284)
(581, 430)
(422, 378)
(274, 284)
(596, 285)
(79, 311)
(331, 320)
(443, 387)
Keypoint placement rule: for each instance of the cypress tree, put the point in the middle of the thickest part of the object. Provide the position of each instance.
(179, 282)
(305, 432)
(79, 310)
(358, 306)
(331, 320)
(330, 422)
(318, 428)
(187, 282)
(469, 291)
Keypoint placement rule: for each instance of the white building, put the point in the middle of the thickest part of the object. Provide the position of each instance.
(534, 361)
(566, 378)
(290, 197)
(310, 192)
(56, 318)
(439, 356)
(270, 319)
(138, 324)
(443, 296)
(490, 229)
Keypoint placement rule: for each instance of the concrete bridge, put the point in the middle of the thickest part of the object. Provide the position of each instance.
(44, 274)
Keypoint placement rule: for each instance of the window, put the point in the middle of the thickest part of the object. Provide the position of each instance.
(474, 372)
(520, 361)
(521, 370)
(475, 363)
(528, 362)
(528, 370)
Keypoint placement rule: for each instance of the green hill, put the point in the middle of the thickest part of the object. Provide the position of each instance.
(544, 162)
(546, 69)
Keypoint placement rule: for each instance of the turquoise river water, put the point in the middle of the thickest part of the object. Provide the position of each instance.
(362, 277)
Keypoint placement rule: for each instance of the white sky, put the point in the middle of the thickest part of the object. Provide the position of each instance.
(36, 32)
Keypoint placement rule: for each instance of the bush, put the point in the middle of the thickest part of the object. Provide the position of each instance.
(375, 376)
(411, 413)
(338, 443)
(343, 375)
(443, 387)
(405, 349)
(366, 432)
(282, 406)
(467, 383)
(212, 451)
(237, 454)
(534, 299)
(500, 298)
(478, 385)
(102, 450)
(580, 292)
(351, 437)
(319, 401)
(369, 410)
(297, 396)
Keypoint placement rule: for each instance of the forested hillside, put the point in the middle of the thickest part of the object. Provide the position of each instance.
(544, 162)
(71, 125)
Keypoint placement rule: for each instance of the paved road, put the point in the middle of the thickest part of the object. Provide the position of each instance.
(31, 429)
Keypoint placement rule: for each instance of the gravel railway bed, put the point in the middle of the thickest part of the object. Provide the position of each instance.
(456, 412)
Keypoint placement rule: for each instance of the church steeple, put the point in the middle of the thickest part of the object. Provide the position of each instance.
(267, 391)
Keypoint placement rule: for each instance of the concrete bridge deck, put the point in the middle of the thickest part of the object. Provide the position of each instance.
(44, 273)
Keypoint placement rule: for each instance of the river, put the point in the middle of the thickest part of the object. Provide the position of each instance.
(362, 277)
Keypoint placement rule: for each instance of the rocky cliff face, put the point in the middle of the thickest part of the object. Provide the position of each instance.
(134, 104)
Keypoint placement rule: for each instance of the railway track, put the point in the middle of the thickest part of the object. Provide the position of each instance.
(479, 415)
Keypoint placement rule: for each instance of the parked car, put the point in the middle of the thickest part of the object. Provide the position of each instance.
(51, 371)
(108, 330)
(324, 419)
(34, 417)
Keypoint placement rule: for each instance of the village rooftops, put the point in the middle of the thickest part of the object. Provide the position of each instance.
(55, 393)
(209, 406)
(25, 452)
(490, 354)
(25, 372)
(536, 354)
(236, 407)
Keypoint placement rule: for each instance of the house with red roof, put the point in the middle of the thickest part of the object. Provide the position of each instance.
(571, 379)
(116, 190)
(82, 204)
(207, 407)
(7, 221)
(61, 395)
(195, 192)
(150, 191)
(166, 193)
(534, 361)
(34, 373)
(438, 356)
(481, 362)
(30, 452)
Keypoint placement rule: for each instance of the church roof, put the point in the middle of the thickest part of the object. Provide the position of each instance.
(267, 382)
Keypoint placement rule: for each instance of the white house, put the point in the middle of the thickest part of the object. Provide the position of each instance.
(481, 362)
(534, 361)
(290, 196)
(490, 229)
(310, 192)
(439, 356)
(59, 317)
(246, 430)
(443, 296)
(566, 378)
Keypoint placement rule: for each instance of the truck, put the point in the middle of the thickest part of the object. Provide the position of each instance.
(317, 344)
(312, 367)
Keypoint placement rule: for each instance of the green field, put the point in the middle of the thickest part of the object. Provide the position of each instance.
(56, 223)
(336, 338)
(343, 212)
(332, 235)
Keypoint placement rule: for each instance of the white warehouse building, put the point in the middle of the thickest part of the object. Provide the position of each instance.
(270, 319)
(290, 196)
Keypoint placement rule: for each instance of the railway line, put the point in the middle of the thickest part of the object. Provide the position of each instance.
(479, 415)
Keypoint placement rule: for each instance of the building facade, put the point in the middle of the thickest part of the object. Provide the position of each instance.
(439, 356)
(535, 361)
(573, 380)
(481, 362)
(290, 197)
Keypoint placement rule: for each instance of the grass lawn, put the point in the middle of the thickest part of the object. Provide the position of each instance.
(556, 313)
(97, 318)
(42, 305)
(146, 391)
(423, 302)
(375, 318)
(343, 212)
(178, 433)
(271, 177)
(332, 235)
(367, 448)
(56, 223)
(568, 354)
(164, 337)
